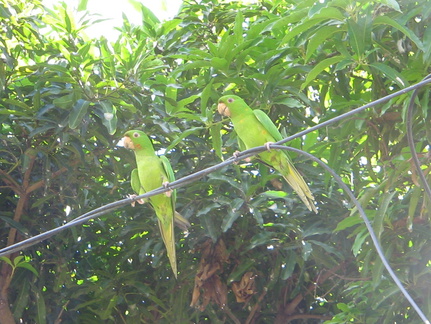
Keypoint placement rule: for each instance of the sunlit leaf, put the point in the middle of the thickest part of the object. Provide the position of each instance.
(27, 266)
(321, 66)
(386, 20)
(78, 112)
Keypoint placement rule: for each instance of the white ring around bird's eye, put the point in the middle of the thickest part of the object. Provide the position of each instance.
(230, 100)
(135, 134)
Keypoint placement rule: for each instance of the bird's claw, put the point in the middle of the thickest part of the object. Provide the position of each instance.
(236, 155)
(268, 145)
(166, 185)
(139, 201)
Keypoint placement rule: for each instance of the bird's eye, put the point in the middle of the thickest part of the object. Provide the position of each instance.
(230, 100)
(135, 135)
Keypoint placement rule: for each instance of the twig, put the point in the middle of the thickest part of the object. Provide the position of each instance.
(231, 315)
(321, 278)
(256, 306)
(307, 316)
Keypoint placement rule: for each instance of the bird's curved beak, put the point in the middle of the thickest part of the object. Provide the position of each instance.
(223, 109)
(127, 142)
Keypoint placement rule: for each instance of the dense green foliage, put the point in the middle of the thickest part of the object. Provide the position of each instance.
(66, 101)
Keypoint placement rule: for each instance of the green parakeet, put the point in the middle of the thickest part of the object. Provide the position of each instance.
(151, 173)
(255, 128)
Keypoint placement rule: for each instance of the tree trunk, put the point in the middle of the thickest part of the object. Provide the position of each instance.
(6, 316)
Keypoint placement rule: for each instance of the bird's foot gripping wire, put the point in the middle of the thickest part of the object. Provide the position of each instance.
(236, 155)
(139, 201)
(268, 145)
(166, 185)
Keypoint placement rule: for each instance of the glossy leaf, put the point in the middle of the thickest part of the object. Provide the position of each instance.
(78, 112)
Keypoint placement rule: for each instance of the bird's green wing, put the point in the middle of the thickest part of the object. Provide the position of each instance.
(170, 174)
(241, 145)
(268, 124)
(135, 183)
(179, 220)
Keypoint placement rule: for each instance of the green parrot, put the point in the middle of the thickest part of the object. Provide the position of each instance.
(255, 128)
(153, 172)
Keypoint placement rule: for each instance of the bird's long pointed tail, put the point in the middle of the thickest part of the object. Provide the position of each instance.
(296, 181)
(167, 231)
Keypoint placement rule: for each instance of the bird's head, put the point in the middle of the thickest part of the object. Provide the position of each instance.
(230, 104)
(136, 140)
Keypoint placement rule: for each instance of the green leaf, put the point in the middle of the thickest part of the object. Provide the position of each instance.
(78, 112)
(186, 101)
(391, 74)
(323, 15)
(427, 46)
(64, 102)
(12, 112)
(28, 266)
(206, 93)
(359, 240)
(274, 194)
(42, 130)
(184, 135)
(225, 45)
(147, 14)
(219, 63)
(238, 28)
(229, 219)
(343, 307)
(283, 23)
(109, 118)
(143, 251)
(311, 140)
(21, 302)
(240, 270)
(55, 67)
(289, 266)
(328, 248)
(41, 307)
(68, 21)
(384, 295)
(322, 65)
(348, 222)
(386, 20)
(29, 155)
(171, 93)
(18, 259)
(209, 224)
(221, 177)
(127, 106)
(82, 5)
(385, 200)
(366, 196)
(393, 4)
(356, 38)
(7, 260)
(14, 224)
(307, 248)
(216, 139)
(320, 37)
(261, 238)
(193, 65)
(17, 103)
(416, 196)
